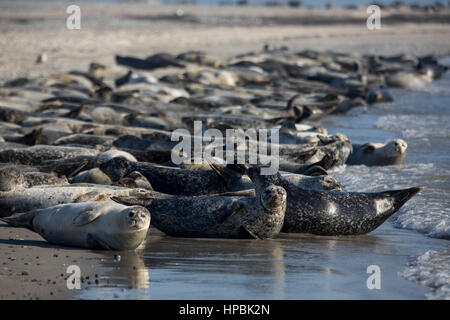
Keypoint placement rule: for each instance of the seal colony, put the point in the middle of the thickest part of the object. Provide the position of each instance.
(87, 157)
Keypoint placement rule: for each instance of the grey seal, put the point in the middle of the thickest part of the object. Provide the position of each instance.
(15, 179)
(93, 225)
(40, 197)
(170, 180)
(333, 213)
(37, 154)
(379, 154)
(259, 217)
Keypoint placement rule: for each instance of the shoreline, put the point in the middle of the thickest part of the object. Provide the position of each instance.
(140, 274)
(36, 31)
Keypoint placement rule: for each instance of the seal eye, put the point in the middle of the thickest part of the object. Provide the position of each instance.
(131, 214)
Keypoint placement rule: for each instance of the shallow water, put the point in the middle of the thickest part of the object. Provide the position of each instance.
(309, 267)
(420, 116)
(290, 267)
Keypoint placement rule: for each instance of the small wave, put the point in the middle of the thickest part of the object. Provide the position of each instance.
(428, 212)
(416, 126)
(432, 269)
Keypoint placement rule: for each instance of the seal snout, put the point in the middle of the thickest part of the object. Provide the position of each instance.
(273, 197)
(138, 217)
(400, 146)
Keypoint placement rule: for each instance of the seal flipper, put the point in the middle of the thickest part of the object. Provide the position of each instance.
(22, 220)
(95, 242)
(237, 208)
(401, 196)
(229, 172)
(86, 217)
(249, 233)
(132, 201)
(315, 171)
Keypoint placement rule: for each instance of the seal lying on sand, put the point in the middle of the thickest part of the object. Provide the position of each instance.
(170, 180)
(257, 217)
(15, 179)
(93, 225)
(379, 154)
(333, 213)
(36, 154)
(234, 175)
(48, 196)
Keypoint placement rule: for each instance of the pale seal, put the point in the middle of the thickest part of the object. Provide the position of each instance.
(259, 217)
(379, 154)
(333, 213)
(93, 225)
(40, 197)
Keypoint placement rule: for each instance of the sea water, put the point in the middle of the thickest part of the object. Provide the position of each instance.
(420, 116)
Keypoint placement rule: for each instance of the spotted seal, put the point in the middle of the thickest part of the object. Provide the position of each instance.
(107, 225)
(333, 213)
(15, 179)
(259, 217)
(379, 154)
(40, 197)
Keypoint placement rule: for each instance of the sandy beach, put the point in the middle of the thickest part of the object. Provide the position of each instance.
(33, 269)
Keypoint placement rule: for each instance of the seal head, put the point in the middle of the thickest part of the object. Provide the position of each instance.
(273, 198)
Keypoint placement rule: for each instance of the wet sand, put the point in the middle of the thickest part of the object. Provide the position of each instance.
(291, 267)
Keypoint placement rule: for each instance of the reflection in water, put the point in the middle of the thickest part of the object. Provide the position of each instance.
(211, 261)
(127, 269)
(293, 266)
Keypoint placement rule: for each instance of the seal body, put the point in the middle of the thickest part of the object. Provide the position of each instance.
(92, 225)
(334, 213)
(378, 154)
(15, 179)
(40, 197)
(257, 217)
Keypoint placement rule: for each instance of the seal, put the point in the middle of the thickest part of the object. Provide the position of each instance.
(169, 179)
(235, 178)
(134, 180)
(41, 197)
(379, 154)
(15, 179)
(94, 175)
(258, 217)
(333, 213)
(37, 154)
(93, 225)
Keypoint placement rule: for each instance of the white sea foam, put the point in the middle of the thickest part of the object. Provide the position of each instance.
(432, 269)
(416, 126)
(428, 212)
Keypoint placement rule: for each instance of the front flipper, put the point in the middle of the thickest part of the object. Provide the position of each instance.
(237, 208)
(86, 217)
(96, 243)
(249, 233)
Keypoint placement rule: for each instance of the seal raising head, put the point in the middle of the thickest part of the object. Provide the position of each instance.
(378, 154)
(95, 225)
